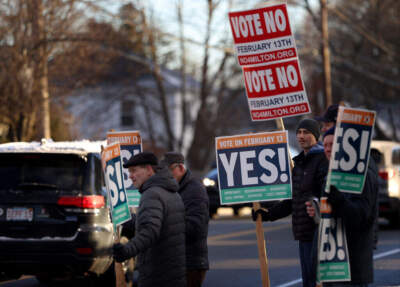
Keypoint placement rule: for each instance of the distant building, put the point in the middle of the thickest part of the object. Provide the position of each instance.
(129, 103)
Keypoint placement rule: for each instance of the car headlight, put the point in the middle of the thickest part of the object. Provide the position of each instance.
(208, 182)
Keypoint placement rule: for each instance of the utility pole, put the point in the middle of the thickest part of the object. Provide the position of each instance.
(326, 54)
(41, 77)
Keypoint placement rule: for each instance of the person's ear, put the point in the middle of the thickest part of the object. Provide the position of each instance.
(149, 169)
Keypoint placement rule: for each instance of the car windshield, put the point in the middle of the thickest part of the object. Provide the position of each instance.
(41, 171)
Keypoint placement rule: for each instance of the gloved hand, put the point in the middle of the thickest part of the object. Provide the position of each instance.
(335, 197)
(122, 252)
(265, 215)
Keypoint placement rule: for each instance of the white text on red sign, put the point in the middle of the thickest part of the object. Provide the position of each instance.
(253, 25)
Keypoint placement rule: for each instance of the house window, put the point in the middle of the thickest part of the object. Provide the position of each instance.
(127, 113)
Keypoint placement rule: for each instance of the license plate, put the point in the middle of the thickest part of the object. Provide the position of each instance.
(19, 214)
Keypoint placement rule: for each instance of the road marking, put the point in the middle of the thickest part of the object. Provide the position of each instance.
(246, 232)
(291, 283)
(387, 253)
(377, 256)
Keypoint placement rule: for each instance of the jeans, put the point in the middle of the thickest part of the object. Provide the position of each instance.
(307, 272)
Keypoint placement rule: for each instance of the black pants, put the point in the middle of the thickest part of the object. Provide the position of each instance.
(195, 277)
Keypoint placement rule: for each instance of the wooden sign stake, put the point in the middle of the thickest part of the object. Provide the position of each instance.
(262, 255)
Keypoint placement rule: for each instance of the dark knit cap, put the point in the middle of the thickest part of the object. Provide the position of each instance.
(331, 131)
(142, 158)
(330, 114)
(310, 125)
(172, 157)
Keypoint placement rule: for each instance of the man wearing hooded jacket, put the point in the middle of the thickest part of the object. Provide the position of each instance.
(309, 171)
(159, 240)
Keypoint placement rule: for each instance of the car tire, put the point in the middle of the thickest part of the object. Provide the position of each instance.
(107, 279)
(394, 220)
(44, 278)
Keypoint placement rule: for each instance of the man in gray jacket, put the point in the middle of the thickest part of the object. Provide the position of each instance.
(159, 240)
(196, 203)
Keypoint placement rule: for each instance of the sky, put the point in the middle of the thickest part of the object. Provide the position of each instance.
(164, 11)
(164, 15)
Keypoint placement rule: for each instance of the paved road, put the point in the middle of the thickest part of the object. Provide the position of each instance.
(234, 259)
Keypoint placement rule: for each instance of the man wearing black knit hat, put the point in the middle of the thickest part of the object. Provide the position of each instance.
(159, 227)
(308, 174)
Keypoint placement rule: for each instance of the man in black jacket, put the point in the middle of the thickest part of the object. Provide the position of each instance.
(196, 203)
(159, 240)
(309, 171)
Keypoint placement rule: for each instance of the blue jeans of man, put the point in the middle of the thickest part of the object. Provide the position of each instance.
(306, 261)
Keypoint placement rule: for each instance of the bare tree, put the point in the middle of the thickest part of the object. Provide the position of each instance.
(27, 29)
(365, 52)
(33, 34)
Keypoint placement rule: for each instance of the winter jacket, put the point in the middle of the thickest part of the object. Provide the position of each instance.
(308, 176)
(358, 212)
(196, 203)
(159, 237)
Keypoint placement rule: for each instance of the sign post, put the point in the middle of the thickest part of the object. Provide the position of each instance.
(347, 171)
(262, 256)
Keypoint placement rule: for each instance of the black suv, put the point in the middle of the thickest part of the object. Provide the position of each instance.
(210, 181)
(54, 220)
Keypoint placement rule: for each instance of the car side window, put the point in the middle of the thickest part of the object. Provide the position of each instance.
(99, 179)
(396, 157)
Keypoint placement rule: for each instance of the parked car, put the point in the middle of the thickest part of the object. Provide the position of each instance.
(54, 219)
(210, 181)
(389, 181)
